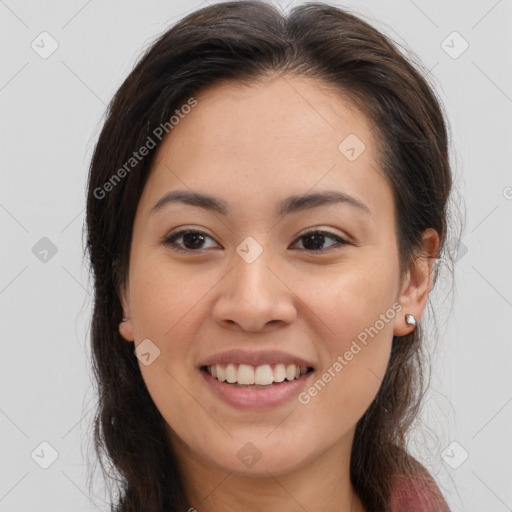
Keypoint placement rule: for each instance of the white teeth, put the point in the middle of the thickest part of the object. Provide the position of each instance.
(260, 375)
(290, 371)
(279, 373)
(263, 375)
(221, 374)
(231, 373)
(245, 374)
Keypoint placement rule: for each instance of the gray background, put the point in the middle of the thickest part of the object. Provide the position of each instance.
(51, 111)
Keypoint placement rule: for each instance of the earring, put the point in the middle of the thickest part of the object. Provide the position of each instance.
(124, 319)
(409, 319)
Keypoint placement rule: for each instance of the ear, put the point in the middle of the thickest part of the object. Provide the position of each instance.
(126, 327)
(418, 283)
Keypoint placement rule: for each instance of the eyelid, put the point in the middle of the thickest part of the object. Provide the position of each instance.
(325, 231)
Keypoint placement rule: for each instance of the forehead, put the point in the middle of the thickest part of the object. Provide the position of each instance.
(267, 140)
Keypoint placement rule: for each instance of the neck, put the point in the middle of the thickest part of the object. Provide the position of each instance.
(322, 484)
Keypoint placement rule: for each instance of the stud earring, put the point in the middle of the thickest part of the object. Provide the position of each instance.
(409, 319)
(124, 319)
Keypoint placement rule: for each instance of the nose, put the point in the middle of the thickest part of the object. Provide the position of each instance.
(254, 295)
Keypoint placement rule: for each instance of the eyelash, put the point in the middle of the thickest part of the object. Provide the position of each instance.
(170, 240)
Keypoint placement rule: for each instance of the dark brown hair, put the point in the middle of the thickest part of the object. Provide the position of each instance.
(246, 41)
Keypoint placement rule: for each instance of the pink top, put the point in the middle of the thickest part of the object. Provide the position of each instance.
(416, 494)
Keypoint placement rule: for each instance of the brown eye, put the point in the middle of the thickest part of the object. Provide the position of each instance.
(191, 241)
(314, 240)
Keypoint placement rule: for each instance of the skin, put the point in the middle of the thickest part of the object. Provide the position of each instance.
(254, 146)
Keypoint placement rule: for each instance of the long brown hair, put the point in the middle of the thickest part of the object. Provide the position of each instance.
(244, 41)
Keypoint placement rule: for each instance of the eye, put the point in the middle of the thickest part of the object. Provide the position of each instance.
(314, 239)
(193, 240)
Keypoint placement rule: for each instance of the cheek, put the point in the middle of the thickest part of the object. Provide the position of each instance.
(164, 297)
(349, 298)
(168, 304)
(356, 315)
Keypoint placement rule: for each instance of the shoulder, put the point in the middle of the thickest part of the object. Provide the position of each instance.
(416, 493)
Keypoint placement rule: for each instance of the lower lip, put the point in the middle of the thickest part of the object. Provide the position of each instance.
(256, 398)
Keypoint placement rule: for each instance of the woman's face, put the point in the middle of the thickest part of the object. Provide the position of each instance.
(252, 281)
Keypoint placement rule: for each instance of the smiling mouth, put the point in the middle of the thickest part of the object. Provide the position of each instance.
(256, 377)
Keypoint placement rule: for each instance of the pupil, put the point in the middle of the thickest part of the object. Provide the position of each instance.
(195, 238)
(316, 237)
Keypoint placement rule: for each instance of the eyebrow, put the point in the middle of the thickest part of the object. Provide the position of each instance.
(292, 204)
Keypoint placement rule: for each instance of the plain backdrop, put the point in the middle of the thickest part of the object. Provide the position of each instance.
(61, 64)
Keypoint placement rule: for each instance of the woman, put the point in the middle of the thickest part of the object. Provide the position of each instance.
(266, 203)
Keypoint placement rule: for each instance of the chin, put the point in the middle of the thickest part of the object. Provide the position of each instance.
(262, 453)
(273, 464)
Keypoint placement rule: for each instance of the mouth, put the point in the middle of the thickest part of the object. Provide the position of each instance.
(264, 392)
(255, 380)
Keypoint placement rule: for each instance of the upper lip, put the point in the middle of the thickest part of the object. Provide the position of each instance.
(250, 357)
